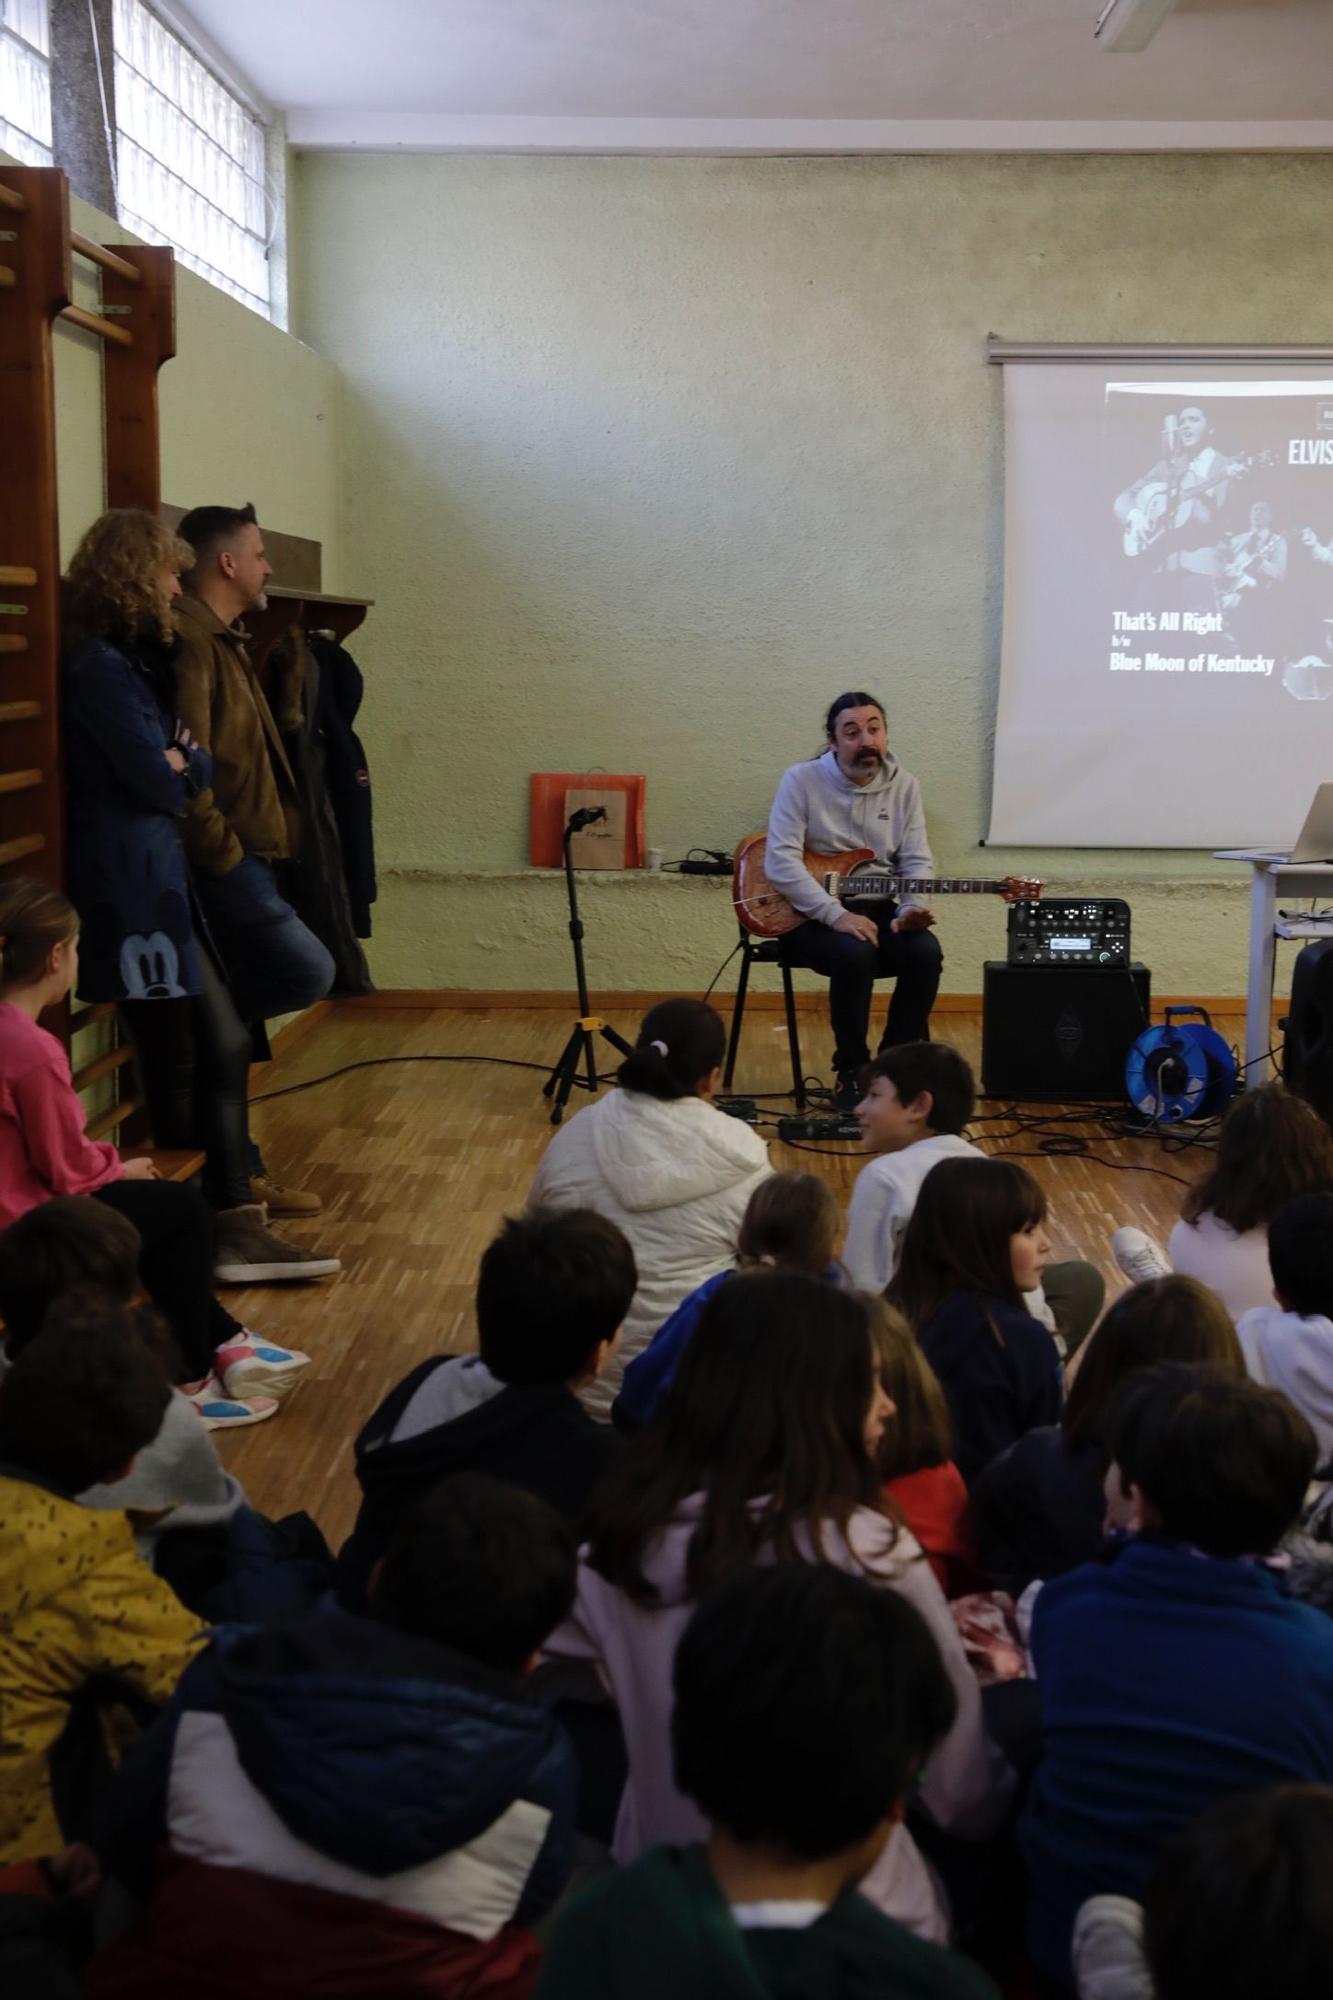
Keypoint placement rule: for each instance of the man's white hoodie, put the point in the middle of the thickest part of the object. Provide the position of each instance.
(1293, 1352)
(817, 807)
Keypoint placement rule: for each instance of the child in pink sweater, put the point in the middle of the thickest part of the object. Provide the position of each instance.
(231, 1375)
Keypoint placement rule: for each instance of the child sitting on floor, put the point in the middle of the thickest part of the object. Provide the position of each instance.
(974, 1249)
(351, 1805)
(657, 1158)
(1238, 1907)
(764, 1451)
(806, 1702)
(85, 1626)
(552, 1294)
(191, 1519)
(1175, 1671)
(790, 1224)
(915, 1455)
(231, 1375)
(72, 1241)
(1272, 1147)
(919, 1097)
(1289, 1346)
(1039, 1509)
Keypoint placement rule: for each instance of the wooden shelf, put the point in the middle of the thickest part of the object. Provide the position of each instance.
(26, 843)
(312, 610)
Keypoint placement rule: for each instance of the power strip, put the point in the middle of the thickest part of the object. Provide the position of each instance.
(717, 863)
(838, 1126)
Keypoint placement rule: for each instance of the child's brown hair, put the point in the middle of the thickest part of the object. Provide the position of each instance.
(68, 1241)
(33, 921)
(791, 1221)
(918, 1434)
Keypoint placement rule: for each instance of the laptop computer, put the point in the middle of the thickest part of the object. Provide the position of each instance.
(1314, 842)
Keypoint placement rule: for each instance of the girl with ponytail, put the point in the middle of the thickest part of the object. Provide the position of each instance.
(660, 1160)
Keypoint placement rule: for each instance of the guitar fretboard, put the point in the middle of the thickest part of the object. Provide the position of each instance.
(913, 885)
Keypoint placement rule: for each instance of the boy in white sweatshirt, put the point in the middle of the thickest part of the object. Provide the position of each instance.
(1289, 1346)
(919, 1096)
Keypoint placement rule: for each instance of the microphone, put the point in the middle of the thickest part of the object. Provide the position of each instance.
(1169, 435)
(586, 816)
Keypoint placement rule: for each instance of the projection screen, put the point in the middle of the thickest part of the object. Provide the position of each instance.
(1167, 669)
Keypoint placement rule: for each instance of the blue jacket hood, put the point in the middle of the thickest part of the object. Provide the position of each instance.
(381, 1749)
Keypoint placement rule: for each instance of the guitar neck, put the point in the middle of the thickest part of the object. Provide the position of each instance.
(917, 885)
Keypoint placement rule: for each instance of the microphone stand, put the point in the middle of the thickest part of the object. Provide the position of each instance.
(578, 1051)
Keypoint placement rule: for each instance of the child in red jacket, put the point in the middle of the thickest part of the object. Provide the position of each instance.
(916, 1456)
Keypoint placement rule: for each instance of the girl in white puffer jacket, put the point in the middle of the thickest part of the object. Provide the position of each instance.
(660, 1160)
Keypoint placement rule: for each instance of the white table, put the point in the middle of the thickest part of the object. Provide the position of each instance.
(1270, 875)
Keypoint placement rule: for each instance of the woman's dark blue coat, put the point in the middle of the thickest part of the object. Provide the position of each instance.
(127, 873)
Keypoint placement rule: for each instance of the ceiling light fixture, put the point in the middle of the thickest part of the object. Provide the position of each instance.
(1126, 26)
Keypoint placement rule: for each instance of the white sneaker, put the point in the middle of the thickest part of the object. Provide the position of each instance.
(223, 1412)
(1139, 1255)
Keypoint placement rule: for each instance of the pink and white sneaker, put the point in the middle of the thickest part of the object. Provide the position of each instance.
(219, 1411)
(251, 1366)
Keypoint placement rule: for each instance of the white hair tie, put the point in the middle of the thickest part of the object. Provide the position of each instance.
(661, 1047)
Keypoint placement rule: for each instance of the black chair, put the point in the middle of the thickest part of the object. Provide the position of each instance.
(765, 951)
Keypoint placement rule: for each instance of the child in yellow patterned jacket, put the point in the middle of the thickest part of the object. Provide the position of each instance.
(85, 1625)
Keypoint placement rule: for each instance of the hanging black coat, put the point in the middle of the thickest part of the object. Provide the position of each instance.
(315, 880)
(346, 776)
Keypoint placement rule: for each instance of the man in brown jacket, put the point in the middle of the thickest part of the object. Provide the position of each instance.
(243, 827)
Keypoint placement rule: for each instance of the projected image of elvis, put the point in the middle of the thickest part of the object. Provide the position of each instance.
(1173, 517)
(1202, 531)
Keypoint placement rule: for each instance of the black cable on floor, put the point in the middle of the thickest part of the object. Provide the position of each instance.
(376, 1062)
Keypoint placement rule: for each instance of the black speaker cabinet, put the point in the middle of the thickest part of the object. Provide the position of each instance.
(1053, 1032)
(1307, 1045)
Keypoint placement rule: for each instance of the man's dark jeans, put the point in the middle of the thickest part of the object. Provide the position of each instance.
(274, 964)
(913, 959)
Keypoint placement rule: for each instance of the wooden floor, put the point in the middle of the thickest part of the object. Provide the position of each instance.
(418, 1161)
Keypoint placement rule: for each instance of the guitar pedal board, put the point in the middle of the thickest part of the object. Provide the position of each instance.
(1082, 931)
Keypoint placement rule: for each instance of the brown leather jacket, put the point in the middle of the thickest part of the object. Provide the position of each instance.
(251, 806)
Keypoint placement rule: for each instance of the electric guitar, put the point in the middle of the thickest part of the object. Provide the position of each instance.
(1146, 523)
(766, 912)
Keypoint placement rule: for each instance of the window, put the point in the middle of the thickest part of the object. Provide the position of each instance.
(189, 158)
(25, 81)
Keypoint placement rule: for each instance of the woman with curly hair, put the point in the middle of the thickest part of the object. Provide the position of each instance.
(131, 768)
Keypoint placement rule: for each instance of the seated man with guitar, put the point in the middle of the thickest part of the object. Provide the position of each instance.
(856, 796)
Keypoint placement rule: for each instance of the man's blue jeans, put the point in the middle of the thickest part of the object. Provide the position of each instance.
(273, 963)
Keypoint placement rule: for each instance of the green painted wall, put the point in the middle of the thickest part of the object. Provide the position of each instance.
(645, 459)
(247, 412)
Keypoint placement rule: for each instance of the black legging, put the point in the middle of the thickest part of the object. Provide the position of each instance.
(194, 1063)
(175, 1224)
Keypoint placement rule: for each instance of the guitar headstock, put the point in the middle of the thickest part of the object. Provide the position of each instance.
(1020, 889)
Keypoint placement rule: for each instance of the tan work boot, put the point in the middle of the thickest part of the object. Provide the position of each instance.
(248, 1253)
(280, 1200)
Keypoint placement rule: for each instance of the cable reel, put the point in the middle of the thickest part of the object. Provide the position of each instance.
(1183, 1070)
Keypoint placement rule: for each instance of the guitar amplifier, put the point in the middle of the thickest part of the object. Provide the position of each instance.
(1051, 1032)
(1092, 930)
